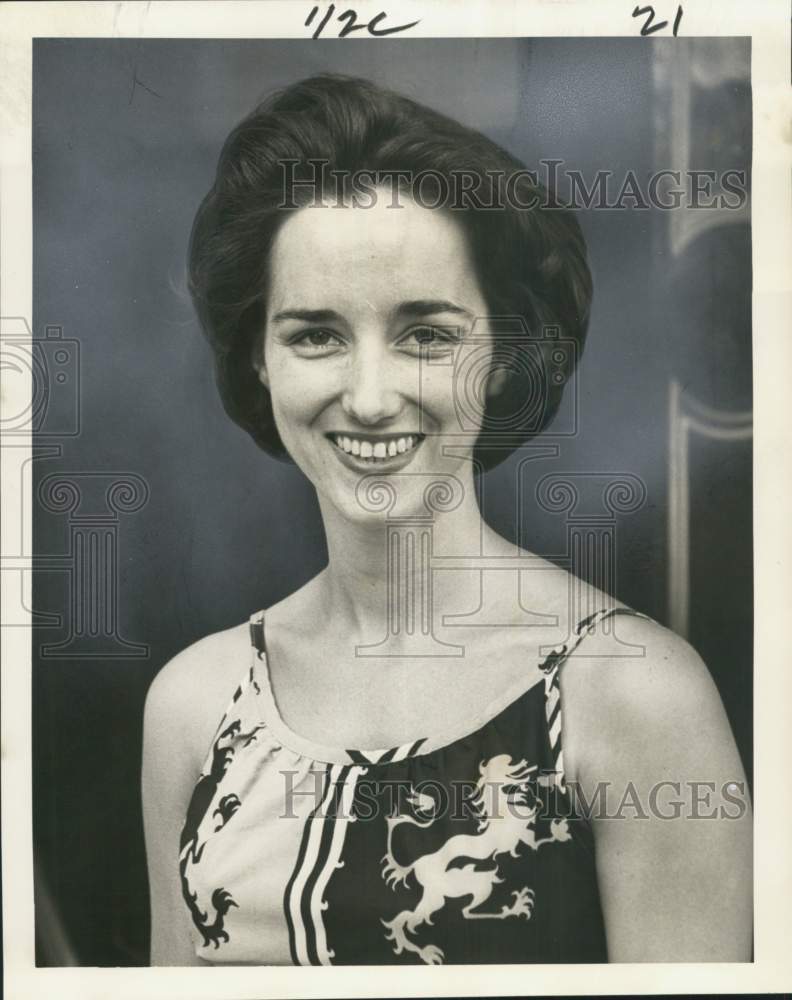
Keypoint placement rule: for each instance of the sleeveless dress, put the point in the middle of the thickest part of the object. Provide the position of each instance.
(451, 849)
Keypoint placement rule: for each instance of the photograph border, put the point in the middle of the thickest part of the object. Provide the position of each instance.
(771, 210)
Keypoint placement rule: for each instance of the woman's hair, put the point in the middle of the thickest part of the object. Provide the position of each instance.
(529, 254)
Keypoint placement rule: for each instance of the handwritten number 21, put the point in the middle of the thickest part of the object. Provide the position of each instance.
(648, 28)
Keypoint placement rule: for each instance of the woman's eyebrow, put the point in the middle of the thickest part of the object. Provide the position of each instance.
(415, 307)
(428, 307)
(307, 315)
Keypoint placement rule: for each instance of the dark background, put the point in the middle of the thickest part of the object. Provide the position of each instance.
(125, 140)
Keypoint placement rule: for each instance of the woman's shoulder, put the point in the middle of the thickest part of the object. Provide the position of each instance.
(637, 697)
(627, 680)
(625, 656)
(189, 694)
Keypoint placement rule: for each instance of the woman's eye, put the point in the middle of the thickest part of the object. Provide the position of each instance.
(316, 340)
(431, 338)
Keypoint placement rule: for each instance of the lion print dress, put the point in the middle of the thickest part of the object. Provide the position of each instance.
(460, 848)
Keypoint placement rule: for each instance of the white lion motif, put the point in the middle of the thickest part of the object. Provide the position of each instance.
(502, 829)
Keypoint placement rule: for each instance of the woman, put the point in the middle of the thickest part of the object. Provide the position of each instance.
(359, 775)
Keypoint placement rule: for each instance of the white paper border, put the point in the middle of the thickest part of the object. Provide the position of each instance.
(769, 27)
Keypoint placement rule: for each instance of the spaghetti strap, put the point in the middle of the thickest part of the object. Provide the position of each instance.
(550, 666)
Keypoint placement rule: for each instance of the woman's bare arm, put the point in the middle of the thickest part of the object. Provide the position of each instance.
(674, 888)
(183, 708)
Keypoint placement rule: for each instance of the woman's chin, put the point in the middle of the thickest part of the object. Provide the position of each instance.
(369, 490)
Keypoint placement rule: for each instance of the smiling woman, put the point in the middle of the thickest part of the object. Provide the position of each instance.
(396, 292)
(304, 148)
(419, 798)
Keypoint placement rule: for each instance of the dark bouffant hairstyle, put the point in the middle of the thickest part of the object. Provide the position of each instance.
(529, 253)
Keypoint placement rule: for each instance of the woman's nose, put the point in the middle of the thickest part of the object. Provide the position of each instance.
(370, 395)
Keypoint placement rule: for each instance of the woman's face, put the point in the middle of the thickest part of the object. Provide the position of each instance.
(372, 314)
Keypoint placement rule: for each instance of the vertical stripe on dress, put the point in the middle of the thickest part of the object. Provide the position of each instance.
(318, 857)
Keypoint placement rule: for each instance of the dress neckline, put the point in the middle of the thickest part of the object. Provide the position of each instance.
(260, 679)
(419, 747)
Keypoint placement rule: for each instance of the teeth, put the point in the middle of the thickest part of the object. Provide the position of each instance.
(377, 450)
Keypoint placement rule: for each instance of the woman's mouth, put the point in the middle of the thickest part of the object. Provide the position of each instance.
(376, 450)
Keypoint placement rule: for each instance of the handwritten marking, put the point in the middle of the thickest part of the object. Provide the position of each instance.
(351, 18)
(649, 27)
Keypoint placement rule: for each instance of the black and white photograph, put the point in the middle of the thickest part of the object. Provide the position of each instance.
(391, 450)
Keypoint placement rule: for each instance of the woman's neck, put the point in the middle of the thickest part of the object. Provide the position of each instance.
(378, 569)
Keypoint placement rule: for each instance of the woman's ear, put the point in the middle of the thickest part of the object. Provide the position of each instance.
(257, 360)
(498, 377)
